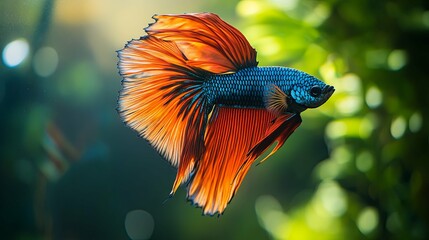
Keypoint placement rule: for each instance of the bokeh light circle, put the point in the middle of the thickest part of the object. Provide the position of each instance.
(367, 220)
(139, 224)
(45, 61)
(15, 52)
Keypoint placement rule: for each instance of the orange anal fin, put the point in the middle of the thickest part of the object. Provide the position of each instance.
(220, 171)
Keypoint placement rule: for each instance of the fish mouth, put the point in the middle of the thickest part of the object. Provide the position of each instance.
(327, 92)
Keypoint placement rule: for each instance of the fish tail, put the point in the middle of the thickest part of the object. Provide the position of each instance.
(162, 99)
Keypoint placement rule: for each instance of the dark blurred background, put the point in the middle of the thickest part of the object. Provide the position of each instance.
(357, 168)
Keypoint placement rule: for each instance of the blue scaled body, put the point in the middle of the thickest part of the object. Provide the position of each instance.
(247, 87)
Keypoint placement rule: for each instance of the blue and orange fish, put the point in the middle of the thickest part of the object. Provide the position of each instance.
(193, 89)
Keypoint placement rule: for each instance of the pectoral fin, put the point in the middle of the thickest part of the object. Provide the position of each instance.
(275, 100)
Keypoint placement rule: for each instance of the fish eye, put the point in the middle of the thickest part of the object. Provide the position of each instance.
(315, 91)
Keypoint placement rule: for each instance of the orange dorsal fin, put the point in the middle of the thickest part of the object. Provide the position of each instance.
(220, 171)
(162, 100)
(206, 40)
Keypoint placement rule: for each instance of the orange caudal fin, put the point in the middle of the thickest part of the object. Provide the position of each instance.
(220, 171)
(162, 100)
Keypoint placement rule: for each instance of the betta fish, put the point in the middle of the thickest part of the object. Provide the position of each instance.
(193, 89)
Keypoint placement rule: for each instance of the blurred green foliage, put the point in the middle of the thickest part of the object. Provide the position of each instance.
(355, 169)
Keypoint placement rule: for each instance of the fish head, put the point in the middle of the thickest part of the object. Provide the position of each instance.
(309, 92)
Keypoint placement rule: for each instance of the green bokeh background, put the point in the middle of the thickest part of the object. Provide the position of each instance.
(357, 168)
